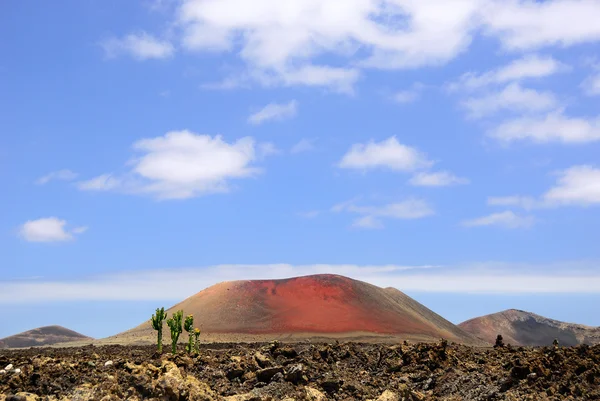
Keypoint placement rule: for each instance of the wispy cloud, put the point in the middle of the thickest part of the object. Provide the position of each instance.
(436, 179)
(591, 85)
(525, 202)
(60, 175)
(274, 112)
(139, 45)
(408, 95)
(372, 216)
(505, 219)
(527, 67)
(512, 98)
(303, 145)
(48, 229)
(551, 127)
(174, 284)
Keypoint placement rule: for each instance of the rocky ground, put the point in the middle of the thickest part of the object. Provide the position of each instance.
(339, 371)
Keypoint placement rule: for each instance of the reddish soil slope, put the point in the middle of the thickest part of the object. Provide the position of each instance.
(524, 328)
(318, 304)
(47, 335)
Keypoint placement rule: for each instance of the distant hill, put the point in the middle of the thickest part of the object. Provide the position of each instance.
(48, 335)
(518, 327)
(317, 306)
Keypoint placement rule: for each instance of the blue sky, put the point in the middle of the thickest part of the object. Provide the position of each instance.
(150, 149)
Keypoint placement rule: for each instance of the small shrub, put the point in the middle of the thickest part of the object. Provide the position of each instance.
(499, 342)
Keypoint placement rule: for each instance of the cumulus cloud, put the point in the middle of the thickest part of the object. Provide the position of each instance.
(436, 179)
(60, 175)
(182, 164)
(527, 24)
(527, 67)
(174, 284)
(575, 186)
(49, 229)
(284, 40)
(554, 126)
(511, 98)
(372, 216)
(578, 185)
(140, 45)
(274, 112)
(388, 154)
(273, 35)
(505, 219)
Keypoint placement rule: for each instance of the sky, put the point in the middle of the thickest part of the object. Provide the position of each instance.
(151, 149)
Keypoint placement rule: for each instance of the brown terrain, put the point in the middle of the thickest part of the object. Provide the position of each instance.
(317, 307)
(47, 335)
(524, 328)
(300, 371)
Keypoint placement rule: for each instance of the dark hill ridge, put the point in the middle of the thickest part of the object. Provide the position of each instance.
(313, 306)
(519, 327)
(47, 335)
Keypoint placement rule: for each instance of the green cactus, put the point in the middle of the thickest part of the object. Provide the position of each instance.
(196, 342)
(175, 324)
(188, 325)
(157, 324)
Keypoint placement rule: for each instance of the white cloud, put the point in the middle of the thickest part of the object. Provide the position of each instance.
(104, 182)
(513, 98)
(575, 186)
(140, 46)
(182, 164)
(409, 95)
(285, 39)
(408, 209)
(174, 284)
(79, 230)
(505, 219)
(387, 154)
(304, 145)
(274, 34)
(591, 86)
(274, 112)
(368, 222)
(552, 127)
(578, 185)
(530, 66)
(527, 24)
(60, 175)
(436, 179)
(526, 202)
(49, 229)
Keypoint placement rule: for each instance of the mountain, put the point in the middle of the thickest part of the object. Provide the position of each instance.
(317, 306)
(47, 335)
(518, 327)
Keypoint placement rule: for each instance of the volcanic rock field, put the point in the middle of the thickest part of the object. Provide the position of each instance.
(302, 371)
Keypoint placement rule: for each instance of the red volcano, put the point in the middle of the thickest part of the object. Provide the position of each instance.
(318, 304)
